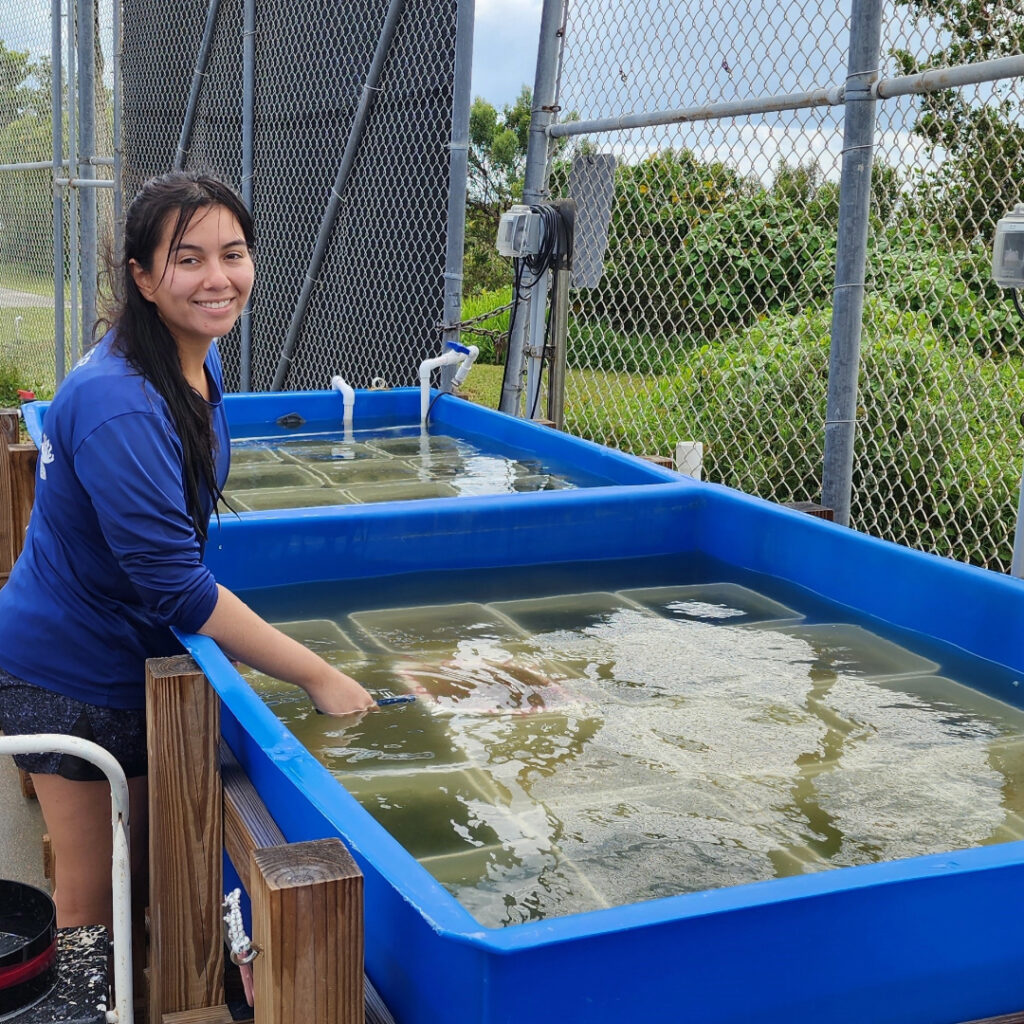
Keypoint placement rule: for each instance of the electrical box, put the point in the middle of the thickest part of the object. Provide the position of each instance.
(519, 232)
(1008, 250)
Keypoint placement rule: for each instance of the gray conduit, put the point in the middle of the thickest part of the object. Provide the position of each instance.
(334, 204)
(197, 83)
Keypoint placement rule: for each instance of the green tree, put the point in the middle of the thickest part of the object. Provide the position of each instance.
(16, 96)
(982, 140)
(497, 160)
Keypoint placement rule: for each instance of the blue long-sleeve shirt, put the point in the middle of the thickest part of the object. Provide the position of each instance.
(111, 558)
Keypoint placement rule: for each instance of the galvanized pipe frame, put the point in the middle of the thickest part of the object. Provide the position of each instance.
(535, 189)
(858, 94)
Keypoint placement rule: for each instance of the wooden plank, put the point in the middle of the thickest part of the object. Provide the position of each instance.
(186, 836)
(248, 825)
(23, 489)
(7, 545)
(212, 1015)
(307, 920)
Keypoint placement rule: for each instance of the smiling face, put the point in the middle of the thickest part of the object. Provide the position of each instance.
(201, 285)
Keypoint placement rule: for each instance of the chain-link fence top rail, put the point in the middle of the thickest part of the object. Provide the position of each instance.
(378, 299)
(712, 319)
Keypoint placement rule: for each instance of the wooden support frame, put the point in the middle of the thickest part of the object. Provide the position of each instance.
(307, 898)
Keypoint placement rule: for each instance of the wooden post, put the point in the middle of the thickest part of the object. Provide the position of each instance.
(9, 424)
(23, 459)
(307, 920)
(7, 553)
(186, 835)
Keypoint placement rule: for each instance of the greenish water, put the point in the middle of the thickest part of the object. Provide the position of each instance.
(602, 745)
(389, 464)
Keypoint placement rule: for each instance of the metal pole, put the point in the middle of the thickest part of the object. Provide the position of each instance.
(851, 257)
(831, 96)
(89, 238)
(545, 90)
(198, 75)
(458, 170)
(248, 146)
(334, 203)
(1017, 563)
(118, 145)
(928, 81)
(74, 228)
(57, 117)
(559, 337)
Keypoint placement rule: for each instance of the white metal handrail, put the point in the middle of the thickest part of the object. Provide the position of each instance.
(121, 1011)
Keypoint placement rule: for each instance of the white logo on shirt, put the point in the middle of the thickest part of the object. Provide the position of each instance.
(46, 456)
(88, 355)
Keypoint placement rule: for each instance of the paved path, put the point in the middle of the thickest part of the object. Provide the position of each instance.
(9, 297)
(21, 848)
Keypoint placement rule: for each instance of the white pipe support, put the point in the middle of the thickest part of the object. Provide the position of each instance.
(426, 368)
(123, 1011)
(348, 397)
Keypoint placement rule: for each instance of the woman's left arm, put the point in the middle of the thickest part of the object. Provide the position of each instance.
(250, 639)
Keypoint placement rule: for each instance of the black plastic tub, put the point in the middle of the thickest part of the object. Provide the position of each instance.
(28, 946)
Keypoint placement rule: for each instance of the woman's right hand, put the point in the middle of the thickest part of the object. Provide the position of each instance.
(334, 693)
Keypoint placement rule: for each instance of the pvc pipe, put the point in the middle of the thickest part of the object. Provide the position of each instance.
(123, 1012)
(690, 458)
(348, 396)
(449, 358)
(469, 355)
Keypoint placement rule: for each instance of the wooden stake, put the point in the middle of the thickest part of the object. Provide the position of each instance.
(185, 839)
(307, 920)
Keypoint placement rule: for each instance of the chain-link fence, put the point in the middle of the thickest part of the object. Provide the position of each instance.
(334, 120)
(713, 316)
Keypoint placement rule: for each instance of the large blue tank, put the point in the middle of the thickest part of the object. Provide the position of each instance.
(917, 941)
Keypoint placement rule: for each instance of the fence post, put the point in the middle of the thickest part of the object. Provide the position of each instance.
(851, 256)
(545, 94)
(307, 920)
(186, 839)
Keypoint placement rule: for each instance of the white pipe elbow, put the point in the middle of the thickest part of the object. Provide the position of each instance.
(348, 397)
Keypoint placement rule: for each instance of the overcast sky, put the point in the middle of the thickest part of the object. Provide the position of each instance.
(504, 48)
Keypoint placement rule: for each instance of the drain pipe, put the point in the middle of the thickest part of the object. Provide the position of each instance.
(123, 1012)
(462, 354)
(348, 397)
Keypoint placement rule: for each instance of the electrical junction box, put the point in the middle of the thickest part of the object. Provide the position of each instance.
(1008, 250)
(519, 232)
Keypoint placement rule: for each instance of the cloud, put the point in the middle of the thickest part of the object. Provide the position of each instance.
(504, 48)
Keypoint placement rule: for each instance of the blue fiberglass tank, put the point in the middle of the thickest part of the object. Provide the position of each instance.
(923, 939)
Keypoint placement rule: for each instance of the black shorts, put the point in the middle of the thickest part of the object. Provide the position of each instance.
(27, 709)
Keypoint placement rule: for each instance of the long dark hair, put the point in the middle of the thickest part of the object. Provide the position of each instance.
(143, 338)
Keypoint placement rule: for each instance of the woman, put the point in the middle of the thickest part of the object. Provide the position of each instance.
(133, 458)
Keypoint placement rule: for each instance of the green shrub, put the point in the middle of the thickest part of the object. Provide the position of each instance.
(484, 302)
(932, 467)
